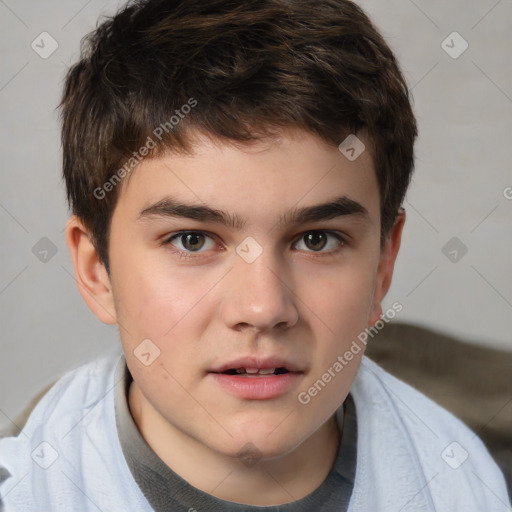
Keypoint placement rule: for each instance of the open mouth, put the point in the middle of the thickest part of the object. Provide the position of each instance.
(270, 379)
(255, 372)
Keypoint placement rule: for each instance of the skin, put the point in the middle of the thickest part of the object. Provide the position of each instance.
(297, 300)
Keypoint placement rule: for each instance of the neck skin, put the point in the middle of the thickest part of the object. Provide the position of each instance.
(272, 482)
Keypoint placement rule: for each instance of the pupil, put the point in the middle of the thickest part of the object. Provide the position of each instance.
(316, 241)
(192, 241)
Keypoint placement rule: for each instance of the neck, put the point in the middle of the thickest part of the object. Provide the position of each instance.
(265, 483)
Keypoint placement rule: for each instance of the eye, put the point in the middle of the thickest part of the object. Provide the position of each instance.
(190, 241)
(317, 241)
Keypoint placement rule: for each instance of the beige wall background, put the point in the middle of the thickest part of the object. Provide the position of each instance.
(454, 272)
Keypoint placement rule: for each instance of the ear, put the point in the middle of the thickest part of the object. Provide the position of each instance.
(90, 274)
(386, 264)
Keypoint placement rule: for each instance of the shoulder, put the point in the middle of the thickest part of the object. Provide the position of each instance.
(75, 392)
(72, 419)
(402, 402)
(403, 431)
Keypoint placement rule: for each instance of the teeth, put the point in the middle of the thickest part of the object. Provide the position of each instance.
(253, 371)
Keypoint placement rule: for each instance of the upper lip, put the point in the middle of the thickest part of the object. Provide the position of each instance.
(257, 362)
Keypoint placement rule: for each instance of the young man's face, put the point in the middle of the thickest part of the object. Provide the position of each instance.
(267, 279)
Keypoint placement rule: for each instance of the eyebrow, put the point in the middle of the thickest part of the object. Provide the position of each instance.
(339, 207)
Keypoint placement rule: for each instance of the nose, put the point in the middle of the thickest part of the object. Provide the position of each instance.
(257, 296)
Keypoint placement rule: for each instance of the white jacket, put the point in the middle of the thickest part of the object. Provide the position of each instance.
(412, 455)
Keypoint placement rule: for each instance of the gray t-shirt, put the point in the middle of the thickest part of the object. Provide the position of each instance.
(165, 490)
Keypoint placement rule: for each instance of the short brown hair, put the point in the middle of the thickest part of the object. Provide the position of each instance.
(252, 67)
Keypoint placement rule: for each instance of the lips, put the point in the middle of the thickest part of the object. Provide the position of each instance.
(252, 365)
(255, 372)
(252, 378)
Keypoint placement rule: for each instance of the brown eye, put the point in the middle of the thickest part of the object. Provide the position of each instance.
(324, 242)
(192, 241)
(316, 240)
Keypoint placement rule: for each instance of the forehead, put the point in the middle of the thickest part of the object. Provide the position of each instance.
(265, 176)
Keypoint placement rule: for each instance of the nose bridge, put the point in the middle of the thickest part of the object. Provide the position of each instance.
(258, 294)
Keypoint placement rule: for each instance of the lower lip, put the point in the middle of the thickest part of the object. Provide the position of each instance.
(257, 388)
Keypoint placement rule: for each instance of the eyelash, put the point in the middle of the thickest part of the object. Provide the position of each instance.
(190, 254)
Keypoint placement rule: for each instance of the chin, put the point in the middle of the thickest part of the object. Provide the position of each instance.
(262, 445)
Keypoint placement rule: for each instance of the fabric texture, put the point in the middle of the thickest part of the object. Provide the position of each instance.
(412, 455)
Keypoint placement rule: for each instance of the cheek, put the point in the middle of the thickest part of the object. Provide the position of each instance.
(343, 299)
(150, 300)
(162, 307)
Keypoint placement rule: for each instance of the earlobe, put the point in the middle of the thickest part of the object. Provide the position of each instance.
(90, 274)
(387, 260)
